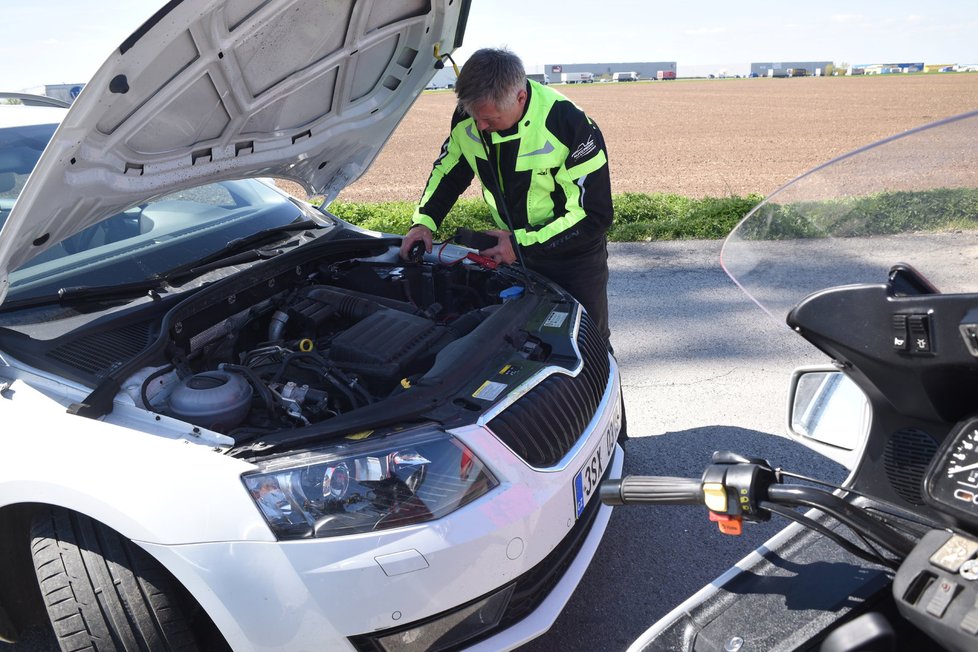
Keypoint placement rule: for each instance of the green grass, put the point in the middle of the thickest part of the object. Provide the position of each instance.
(937, 210)
(638, 217)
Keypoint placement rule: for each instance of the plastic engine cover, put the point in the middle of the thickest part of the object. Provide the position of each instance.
(384, 344)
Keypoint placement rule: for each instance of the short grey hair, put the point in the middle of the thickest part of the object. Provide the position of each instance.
(490, 74)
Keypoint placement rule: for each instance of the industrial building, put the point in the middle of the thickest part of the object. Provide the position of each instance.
(64, 92)
(790, 68)
(606, 71)
(891, 68)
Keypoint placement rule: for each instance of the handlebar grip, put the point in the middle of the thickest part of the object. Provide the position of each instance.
(650, 490)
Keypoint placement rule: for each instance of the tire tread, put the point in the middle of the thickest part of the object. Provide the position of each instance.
(102, 592)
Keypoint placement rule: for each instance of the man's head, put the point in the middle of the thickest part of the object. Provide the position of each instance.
(492, 89)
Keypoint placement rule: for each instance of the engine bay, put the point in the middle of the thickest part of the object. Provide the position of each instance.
(297, 349)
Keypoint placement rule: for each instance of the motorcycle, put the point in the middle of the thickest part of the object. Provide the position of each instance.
(872, 259)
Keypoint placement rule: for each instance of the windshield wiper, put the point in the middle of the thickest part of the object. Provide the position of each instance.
(238, 251)
(235, 252)
(69, 295)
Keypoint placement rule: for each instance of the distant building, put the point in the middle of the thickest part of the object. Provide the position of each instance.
(444, 78)
(706, 70)
(64, 92)
(789, 68)
(606, 71)
(891, 68)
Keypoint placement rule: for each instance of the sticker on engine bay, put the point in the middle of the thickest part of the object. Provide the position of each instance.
(510, 370)
(555, 319)
(489, 390)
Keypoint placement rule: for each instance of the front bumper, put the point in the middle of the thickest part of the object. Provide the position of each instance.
(265, 596)
(319, 594)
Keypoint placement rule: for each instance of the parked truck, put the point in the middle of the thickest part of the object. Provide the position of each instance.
(625, 76)
(577, 77)
(539, 77)
(665, 74)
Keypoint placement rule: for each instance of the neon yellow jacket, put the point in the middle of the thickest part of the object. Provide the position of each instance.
(551, 168)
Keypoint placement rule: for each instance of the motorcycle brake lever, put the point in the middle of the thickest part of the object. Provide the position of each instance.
(729, 457)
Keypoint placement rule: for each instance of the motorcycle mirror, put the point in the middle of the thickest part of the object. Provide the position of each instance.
(828, 413)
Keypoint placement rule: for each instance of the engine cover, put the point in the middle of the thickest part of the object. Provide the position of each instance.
(384, 345)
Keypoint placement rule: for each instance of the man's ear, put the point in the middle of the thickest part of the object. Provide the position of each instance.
(521, 96)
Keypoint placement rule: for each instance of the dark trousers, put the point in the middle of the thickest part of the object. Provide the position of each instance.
(585, 276)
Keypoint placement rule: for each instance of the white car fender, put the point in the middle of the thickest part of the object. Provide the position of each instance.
(136, 484)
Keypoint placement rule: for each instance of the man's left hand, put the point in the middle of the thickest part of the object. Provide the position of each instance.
(503, 252)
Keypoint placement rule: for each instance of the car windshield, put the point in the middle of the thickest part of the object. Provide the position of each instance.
(143, 241)
(910, 199)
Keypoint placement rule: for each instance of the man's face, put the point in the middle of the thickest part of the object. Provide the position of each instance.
(489, 116)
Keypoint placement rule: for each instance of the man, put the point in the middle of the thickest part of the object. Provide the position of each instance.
(544, 174)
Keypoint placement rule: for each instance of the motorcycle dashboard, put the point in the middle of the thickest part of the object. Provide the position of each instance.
(951, 482)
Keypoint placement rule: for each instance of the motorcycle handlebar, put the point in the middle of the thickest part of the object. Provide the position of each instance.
(665, 490)
(650, 490)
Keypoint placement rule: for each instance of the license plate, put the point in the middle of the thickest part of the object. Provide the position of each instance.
(589, 477)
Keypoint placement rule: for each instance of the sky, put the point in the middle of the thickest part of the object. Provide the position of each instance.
(65, 41)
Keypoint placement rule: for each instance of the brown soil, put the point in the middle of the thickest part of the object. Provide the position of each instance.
(702, 138)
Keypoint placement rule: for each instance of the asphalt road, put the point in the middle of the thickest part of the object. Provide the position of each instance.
(703, 369)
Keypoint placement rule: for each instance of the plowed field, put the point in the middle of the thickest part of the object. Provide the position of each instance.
(702, 138)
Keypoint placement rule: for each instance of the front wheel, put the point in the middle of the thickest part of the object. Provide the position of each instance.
(102, 592)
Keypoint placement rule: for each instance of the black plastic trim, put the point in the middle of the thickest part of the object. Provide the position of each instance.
(148, 25)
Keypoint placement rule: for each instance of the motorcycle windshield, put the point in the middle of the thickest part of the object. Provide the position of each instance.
(912, 198)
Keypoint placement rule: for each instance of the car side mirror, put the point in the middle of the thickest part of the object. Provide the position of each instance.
(828, 413)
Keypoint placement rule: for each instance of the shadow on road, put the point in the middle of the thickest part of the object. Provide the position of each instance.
(653, 558)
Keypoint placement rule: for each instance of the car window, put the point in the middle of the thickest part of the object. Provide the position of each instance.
(142, 241)
(212, 194)
(154, 237)
(20, 147)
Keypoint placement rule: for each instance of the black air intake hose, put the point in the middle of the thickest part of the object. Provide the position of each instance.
(344, 304)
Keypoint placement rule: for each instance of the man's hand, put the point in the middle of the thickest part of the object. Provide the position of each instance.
(503, 251)
(414, 234)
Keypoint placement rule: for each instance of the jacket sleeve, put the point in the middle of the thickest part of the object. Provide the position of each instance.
(450, 176)
(588, 211)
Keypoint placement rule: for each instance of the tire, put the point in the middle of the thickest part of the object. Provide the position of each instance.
(101, 591)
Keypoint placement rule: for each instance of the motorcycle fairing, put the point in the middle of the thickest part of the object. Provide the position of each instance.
(788, 594)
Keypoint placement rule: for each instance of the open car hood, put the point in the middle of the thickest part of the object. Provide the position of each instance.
(308, 90)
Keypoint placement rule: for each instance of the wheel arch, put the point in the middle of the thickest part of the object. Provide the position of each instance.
(20, 598)
(21, 601)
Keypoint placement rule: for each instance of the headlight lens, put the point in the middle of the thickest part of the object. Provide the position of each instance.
(365, 486)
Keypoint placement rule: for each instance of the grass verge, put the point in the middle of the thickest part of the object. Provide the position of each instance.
(641, 218)
(638, 217)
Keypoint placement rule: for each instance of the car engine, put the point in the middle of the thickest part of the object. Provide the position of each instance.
(353, 335)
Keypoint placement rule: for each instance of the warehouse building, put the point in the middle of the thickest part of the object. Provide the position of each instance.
(790, 68)
(606, 71)
(891, 68)
(64, 92)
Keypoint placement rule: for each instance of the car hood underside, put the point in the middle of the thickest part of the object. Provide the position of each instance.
(205, 90)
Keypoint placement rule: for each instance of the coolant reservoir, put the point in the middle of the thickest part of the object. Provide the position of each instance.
(217, 400)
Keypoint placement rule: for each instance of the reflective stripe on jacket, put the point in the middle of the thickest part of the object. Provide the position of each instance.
(551, 168)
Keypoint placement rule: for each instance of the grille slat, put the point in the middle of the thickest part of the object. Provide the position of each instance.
(546, 423)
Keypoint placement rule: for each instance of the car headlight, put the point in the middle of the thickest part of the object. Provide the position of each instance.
(368, 485)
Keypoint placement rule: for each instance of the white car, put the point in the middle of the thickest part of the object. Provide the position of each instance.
(231, 419)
